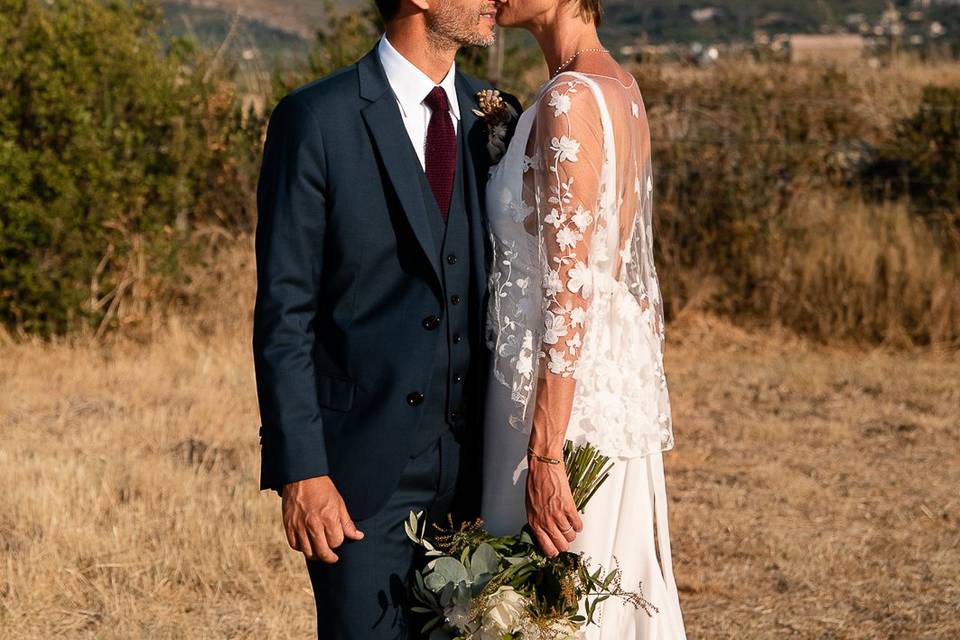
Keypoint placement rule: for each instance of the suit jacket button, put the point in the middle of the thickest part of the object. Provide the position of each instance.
(458, 378)
(415, 399)
(454, 416)
(431, 322)
(451, 259)
(457, 339)
(455, 299)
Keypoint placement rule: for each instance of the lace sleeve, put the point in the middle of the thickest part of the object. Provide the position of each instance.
(567, 176)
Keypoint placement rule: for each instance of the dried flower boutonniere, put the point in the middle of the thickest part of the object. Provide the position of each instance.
(497, 113)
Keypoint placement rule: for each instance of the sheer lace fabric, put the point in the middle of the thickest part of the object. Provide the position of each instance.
(573, 287)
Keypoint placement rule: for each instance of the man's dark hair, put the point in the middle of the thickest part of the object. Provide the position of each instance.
(388, 9)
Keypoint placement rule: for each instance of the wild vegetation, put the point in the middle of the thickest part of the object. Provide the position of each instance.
(799, 211)
(824, 200)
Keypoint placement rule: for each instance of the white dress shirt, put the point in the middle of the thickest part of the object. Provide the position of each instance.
(411, 86)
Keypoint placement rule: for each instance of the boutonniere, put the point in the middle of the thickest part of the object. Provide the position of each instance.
(497, 114)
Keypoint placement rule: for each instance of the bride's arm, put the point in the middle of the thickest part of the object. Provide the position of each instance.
(569, 155)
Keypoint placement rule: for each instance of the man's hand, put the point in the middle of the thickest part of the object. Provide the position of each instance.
(551, 512)
(316, 519)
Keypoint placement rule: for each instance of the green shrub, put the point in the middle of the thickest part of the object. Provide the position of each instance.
(112, 152)
(746, 157)
(922, 161)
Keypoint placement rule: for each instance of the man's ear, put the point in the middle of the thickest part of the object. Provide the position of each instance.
(423, 5)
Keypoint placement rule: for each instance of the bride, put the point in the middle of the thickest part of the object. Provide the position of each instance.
(576, 321)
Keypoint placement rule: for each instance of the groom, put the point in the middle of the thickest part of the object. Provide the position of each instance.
(371, 271)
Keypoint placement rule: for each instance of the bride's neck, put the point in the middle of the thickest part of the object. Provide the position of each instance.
(563, 35)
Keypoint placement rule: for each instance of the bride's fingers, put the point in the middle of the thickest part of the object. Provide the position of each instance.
(574, 517)
(558, 537)
(569, 533)
(546, 542)
(565, 527)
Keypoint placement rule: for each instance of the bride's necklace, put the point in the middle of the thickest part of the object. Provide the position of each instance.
(574, 57)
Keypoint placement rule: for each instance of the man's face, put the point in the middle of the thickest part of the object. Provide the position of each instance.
(463, 22)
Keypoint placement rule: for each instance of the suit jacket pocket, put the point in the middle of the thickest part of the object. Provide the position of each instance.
(335, 393)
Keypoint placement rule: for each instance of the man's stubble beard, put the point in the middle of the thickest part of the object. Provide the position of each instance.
(450, 29)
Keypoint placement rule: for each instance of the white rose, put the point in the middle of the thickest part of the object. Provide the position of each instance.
(504, 614)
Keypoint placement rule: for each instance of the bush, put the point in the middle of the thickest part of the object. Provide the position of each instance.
(922, 161)
(113, 152)
(745, 157)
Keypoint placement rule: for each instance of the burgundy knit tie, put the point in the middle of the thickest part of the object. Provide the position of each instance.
(441, 149)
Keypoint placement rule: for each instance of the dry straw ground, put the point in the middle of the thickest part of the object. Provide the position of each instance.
(813, 489)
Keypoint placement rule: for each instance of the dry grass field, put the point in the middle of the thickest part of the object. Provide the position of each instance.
(813, 488)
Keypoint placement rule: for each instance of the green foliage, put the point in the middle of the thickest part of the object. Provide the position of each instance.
(922, 161)
(468, 571)
(732, 149)
(346, 37)
(112, 151)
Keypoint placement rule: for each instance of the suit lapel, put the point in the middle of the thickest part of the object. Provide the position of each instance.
(382, 117)
(476, 165)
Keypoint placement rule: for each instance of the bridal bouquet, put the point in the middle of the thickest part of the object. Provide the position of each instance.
(480, 587)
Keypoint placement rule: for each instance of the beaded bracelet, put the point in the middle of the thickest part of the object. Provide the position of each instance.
(532, 454)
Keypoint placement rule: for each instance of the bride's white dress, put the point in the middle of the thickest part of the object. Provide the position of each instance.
(574, 293)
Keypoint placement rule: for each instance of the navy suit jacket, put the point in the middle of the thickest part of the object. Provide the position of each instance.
(347, 272)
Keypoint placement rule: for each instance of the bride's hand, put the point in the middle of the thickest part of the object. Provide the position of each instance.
(551, 512)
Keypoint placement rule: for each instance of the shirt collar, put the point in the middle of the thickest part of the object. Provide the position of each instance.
(410, 84)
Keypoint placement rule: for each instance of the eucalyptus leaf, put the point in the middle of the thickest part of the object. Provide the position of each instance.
(436, 582)
(485, 560)
(451, 569)
(446, 595)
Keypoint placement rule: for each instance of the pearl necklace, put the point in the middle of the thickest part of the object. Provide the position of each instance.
(574, 57)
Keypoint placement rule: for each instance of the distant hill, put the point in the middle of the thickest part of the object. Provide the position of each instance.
(626, 21)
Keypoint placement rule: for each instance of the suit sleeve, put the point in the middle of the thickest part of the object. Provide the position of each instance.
(289, 248)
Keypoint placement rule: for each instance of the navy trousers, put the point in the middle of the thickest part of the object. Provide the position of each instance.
(364, 596)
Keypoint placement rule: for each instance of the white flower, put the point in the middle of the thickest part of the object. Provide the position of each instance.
(558, 363)
(578, 317)
(565, 148)
(580, 278)
(524, 362)
(555, 217)
(567, 237)
(582, 218)
(560, 102)
(504, 614)
(574, 343)
(519, 210)
(531, 162)
(555, 327)
(510, 346)
(552, 283)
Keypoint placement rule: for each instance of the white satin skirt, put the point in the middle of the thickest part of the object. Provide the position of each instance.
(625, 525)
